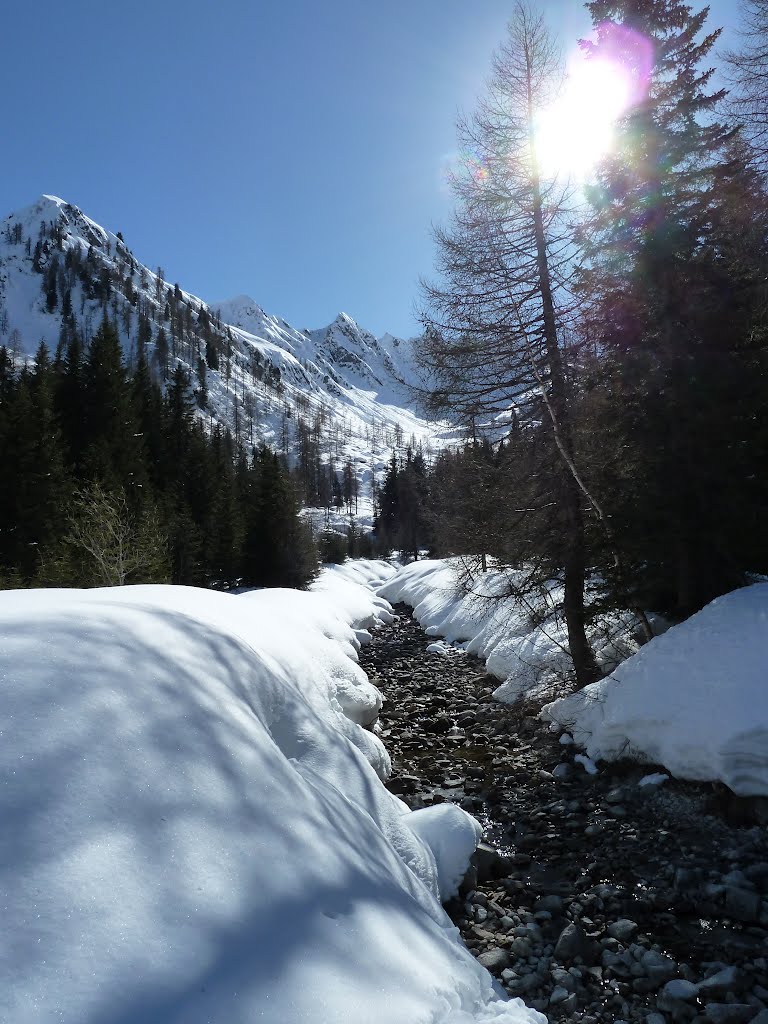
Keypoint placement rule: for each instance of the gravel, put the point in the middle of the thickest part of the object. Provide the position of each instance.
(594, 898)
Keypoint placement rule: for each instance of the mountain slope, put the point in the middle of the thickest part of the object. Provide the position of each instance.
(253, 373)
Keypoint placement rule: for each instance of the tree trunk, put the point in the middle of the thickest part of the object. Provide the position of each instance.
(574, 560)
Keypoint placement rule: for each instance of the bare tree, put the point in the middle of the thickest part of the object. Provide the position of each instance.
(112, 544)
(496, 321)
(748, 67)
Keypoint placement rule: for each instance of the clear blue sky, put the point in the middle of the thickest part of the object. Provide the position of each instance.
(289, 149)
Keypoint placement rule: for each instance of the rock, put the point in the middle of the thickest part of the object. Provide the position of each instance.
(558, 995)
(658, 967)
(679, 989)
(552, 903)
(718, 984)
(654, 869)
(573, 942)
(402, 784)
(470, 881)
(729, 1013)
(742, 904)
(487, 862)
(521, 947)
(494, 959)
(624, 930)
(563, 979)
(758, 874)
(568, 1005)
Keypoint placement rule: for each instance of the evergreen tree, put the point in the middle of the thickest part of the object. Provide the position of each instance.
(748, 65)
(113, 453)
(278, 547)
(33, 457)
(658, 282)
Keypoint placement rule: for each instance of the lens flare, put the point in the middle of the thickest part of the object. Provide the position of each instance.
(603, 82)
(463, 166)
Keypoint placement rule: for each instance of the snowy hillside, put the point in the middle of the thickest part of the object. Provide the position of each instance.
(253, 373)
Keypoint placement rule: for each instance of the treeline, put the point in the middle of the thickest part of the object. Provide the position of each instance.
(108, 478)
(84, 283)
(625, 331)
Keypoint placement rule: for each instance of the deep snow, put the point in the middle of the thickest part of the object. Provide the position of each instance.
(194, 824)
(694, 700)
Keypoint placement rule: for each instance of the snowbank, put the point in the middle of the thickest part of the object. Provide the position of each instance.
(524, 644)
(194, 827)
(694, 700)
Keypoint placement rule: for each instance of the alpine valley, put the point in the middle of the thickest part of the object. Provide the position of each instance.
(338, 388)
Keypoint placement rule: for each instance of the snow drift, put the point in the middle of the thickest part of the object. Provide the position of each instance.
(694, 700)
(194, 823)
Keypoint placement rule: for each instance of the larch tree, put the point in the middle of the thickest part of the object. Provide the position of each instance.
(496, 321)
(748, 67)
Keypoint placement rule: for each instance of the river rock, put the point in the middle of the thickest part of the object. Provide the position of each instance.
(494, 959)
(574, 943)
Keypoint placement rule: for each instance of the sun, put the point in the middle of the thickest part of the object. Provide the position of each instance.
(578, 129)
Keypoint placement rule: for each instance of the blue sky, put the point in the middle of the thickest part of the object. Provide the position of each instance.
(290, 150)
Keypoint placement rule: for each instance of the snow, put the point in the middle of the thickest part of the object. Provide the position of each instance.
(195, 827)
(693, 700)
(452, 836)
(524, 644)
(654, 779)
(586, 763)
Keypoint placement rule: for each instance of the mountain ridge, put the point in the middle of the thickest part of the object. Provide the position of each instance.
(256, 375)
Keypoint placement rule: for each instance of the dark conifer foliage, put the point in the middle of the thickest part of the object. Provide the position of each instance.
(402, 519)
(676, 259)
(657, 406)
(97, 458)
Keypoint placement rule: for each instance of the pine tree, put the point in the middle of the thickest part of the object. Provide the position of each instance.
(37, 482)
(113, 453)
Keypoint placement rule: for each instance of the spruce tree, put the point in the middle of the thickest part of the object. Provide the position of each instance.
(113, 444)
(278, 549)
(37, 482)
(655, 286)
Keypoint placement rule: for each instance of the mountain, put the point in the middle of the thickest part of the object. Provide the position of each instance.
(255, 374)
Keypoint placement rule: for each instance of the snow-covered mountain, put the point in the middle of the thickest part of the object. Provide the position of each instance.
(254, 373)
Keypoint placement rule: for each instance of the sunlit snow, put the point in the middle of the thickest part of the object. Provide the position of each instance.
(194, 823)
